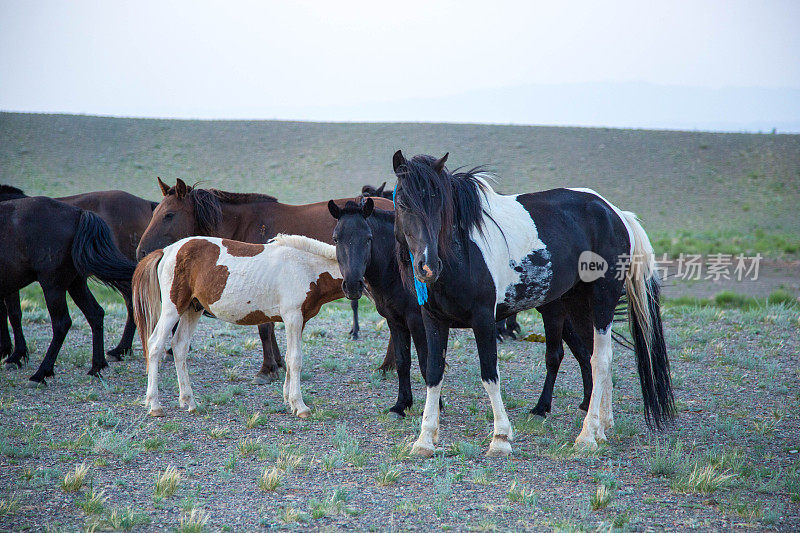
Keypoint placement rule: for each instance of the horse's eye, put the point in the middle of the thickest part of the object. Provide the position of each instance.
(335, 240)
(169, 216)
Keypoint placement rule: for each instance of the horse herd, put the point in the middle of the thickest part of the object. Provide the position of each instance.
(442, 250)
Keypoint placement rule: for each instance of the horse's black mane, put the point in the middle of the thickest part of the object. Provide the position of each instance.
(453, 196)
(208, 208)
(354, 208)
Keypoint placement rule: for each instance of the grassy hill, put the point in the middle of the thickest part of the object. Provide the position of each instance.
(694, 191)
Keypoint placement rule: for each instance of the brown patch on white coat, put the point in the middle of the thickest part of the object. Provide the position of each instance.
(288, 280)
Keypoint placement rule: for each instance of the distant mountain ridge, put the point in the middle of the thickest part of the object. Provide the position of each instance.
(614, 105)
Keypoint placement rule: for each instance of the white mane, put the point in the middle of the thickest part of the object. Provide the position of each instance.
(306, 244)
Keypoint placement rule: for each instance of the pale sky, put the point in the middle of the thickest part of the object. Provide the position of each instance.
(235, 59)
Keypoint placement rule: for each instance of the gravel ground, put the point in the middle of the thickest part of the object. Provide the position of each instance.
(346, 467)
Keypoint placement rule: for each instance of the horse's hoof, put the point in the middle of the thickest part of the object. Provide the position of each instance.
(156, 412)
(421, 450)
(397, 413)
(585, 443)
(499, 448)
(353, 335)
(192, 409)
(539, 411)
(34, 384)
(113, 357)
(263, 379)
(304, 414)
(584, 407)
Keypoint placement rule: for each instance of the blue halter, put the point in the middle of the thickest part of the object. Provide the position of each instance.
(421, 288)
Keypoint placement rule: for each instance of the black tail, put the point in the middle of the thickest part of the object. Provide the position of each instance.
(95, 254)
(651, 358)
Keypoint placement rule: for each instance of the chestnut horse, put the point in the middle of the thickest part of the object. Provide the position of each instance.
(286, 280)
(186, 211)
(127, 216)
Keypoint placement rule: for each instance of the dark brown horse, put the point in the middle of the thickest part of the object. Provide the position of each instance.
(187, 211)
(127, 216)
(60, 246)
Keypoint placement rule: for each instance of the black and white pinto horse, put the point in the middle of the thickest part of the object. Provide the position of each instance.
(483, 256)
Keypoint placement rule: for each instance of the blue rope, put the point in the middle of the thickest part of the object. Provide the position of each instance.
(419, 287)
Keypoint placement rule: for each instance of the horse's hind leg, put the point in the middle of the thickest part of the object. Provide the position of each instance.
(94, 316)
(15, 318)
(579, 336)
(553, 319)
(605, 295)
(272, 355)
(125, 343)
(56, 299)
(156, 350)
(14, 311)
(401, 338)
(355, 329)
(5, 338)
(180, 348)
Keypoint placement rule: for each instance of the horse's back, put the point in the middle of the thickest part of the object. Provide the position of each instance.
(239, 282)
(310, 220)
(38, 237)
(583, 214)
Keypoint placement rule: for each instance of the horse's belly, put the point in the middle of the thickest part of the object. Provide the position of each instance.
(531, 279)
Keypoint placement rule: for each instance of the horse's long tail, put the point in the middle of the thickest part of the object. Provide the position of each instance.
(643, 289)
(147, 298)
(95, 254)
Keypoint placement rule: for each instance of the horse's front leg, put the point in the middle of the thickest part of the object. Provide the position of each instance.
(294, 364)
(354, 331)
(436, 332)
(483, 326)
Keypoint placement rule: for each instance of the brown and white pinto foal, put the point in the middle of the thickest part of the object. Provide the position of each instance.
(286, 280)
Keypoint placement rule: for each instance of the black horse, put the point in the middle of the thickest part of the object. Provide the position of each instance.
(364, 240)
(365, 244)
(127, 216)
(480, 256)
(60, 246)
(10, 308)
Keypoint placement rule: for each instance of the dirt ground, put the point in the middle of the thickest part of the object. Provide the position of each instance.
(729, 462)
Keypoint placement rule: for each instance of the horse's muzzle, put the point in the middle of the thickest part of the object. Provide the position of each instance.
(425, 273)
(353, 289)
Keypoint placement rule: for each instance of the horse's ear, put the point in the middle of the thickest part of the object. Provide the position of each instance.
(367, 207)
(439, 165)
(180, 188)
(164, 186)
(334, 209)
(398, 160)
(379, 190)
